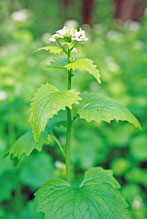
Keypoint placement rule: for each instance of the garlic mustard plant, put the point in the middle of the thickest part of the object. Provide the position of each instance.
(97, 196)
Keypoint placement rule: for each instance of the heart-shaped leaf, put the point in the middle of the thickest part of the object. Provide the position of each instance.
(97, 197)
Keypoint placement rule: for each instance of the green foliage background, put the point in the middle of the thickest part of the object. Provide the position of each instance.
(120, 54)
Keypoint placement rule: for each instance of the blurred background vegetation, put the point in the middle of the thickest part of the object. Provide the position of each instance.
(117, 43)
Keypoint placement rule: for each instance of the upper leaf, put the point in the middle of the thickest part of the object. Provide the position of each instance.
(96, 108)
(46, 103)
(51, 49)
(97, 197)
(26, 144)
(87, 65)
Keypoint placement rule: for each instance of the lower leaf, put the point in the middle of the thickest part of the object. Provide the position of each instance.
(26, 144)
(97, 197)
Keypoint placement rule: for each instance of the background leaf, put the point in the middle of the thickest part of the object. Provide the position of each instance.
(86, 65)
(46, 103)
(94, 108)
(96, 197)
(36, 169)
(58, 63)
(138, 148)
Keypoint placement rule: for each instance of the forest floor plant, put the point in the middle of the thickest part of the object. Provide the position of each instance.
(97, 196)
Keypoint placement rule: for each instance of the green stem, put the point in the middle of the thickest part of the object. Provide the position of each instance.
(62, 47)
(68, 135)
(59, 145)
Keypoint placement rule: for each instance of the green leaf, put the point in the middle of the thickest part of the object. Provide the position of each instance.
(51, 49)
(59, 63)
(58, 120)
(95, 108)
(86, 65)
(46, 103)
(97, 197)
(26, 144)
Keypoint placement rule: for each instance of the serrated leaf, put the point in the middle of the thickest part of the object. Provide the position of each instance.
(97, 197)
(95, 108)
(51, 49)
(46, 103)
(26, 144)
(86, 65)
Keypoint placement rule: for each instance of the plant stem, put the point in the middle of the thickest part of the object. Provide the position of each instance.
(68, 135)
(62, 47)
(59, 145)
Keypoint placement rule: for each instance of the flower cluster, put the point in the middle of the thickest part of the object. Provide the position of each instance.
(21, 15)
(69, 34)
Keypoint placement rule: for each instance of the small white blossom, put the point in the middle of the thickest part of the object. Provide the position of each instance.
(21, 15)
(132, 26)
(3, 95)
(62, 32)
(69, 34)
(52, 39)
(59, 165)
(137, 202)
(79, 36)
(71, 23)
(75, 50)
(112, 65)
(45, 37)
(114, 36)
(138, 45)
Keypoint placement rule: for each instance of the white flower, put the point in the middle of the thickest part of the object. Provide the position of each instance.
(114, 35)
(69, 34)
(71, 23)
(138, 45)
(3, 95)
(45, 37)
(79, 35)
(21, 15)
(137, 202)
(62, 32)
(52, 39)
(75, 50)
(132, 26)
(112, 65)
(59, 165)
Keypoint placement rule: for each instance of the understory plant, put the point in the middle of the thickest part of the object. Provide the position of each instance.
(97, 196)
